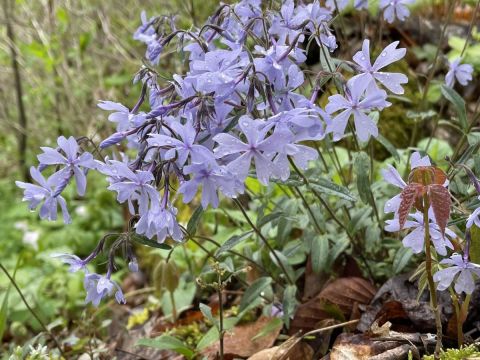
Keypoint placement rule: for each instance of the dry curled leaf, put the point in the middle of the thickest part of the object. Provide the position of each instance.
(336, 300)
(292, 349)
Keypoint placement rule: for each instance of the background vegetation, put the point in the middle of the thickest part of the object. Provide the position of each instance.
(72, 54)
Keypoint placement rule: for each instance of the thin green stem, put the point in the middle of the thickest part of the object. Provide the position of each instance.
(431, 283)
(264, 240)
(44, 327)
(334, 217)
(174, 307)
(437, 53)
(309, 209)
(470, 27)
(220, 300)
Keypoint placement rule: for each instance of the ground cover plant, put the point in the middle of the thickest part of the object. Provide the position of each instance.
(293, 186)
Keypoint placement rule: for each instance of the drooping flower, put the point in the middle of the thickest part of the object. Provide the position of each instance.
(460, 72)
(257, 147)
(146, 33)
(462, 272)
(211, 178)
(44, 192)
(370, 73)
(131, 185)
(395, 9)
(73, 261)
(357, 101)
(160, 221)
(416, 238)
(98, 287)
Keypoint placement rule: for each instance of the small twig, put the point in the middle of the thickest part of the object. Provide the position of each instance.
(331, 327)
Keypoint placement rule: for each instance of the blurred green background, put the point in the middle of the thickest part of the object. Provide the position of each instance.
(70, 55)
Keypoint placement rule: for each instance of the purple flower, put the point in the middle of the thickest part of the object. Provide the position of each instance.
(337, 4)
(395, 9)
(461, 271)
(133, 265)
(461, 72)
(286, 26)
(121, 115)
(132, 185)
(391, 176)
(474, 218)
(256, 148)
(147, 34)
(183, 146)
(44, 192)
(416, 238)
(315, 14)
(74, 261)
(160, 221)
(219, 71)
(360, 4)
(98, 287)
(276, 61)
(75, 163)
(357, 101)
(210, 177)
(370, 73)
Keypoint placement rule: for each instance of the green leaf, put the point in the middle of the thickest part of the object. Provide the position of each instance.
(458, 103)
(233, 241)
(475, 244)
(269, 218)
(207, 312)
(254, 291)
(289, 303)
(269, 327)
(320, 185)
(361, 167)
(325, 186)
(4, 312)
(209, 338)
(401, 259)
(389, 146)
(166, 342)
(193, 222)
(319, 253)
(147, 242)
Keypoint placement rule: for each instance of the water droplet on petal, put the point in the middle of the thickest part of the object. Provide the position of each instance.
(384, 54)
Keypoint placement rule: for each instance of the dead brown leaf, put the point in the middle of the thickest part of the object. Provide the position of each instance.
(337, 300)
(292, 349)
(238, 341)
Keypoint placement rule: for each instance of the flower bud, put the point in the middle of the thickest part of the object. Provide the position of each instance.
(112, 140)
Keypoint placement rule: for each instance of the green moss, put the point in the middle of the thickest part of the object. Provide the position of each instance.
(468, 352)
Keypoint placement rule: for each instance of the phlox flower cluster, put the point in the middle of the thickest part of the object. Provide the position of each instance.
(237, 111)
